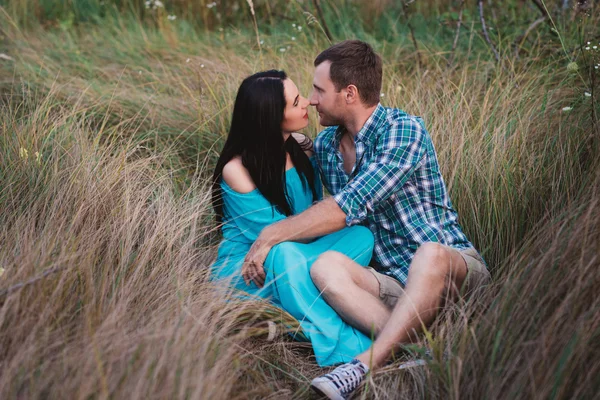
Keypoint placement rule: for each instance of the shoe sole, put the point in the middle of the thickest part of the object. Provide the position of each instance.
(323, 394)
(318, 391)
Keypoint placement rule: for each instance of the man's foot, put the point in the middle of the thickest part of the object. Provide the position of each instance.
(342, 381)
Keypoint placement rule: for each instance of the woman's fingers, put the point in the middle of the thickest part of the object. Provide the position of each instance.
(259, 280)
(252, 272)
(258, 275)
(247, 273)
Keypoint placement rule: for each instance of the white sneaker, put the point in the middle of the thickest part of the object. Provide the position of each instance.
(342, 381)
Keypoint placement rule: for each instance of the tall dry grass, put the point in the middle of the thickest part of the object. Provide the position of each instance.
(106, 234)
(104, 283)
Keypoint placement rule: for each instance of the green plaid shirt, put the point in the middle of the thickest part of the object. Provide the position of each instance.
(395, 188)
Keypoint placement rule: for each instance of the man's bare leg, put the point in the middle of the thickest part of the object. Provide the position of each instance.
(433, 269)
(351, 290)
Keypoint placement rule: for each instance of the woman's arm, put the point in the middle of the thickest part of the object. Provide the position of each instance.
(237, 177)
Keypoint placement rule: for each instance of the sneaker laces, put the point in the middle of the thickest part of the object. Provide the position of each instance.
(347, 377)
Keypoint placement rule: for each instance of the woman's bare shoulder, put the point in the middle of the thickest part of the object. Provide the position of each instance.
(237, 177)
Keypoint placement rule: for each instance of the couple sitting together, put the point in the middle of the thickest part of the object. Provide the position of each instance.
(364, 269)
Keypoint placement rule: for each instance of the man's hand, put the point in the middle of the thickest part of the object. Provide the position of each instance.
(320, 219)
(253, 269)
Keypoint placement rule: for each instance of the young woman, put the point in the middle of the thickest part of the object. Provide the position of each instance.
(262, 176)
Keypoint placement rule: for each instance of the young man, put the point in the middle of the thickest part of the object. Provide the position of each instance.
(382, 170)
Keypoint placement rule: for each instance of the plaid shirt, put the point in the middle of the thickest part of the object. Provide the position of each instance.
(395, 188)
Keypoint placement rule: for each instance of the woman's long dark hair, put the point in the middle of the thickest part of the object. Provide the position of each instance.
(256, 136)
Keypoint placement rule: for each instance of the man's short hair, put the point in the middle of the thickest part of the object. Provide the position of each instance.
(354, 62)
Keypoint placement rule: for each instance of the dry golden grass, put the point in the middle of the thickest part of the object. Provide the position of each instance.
(106, 236)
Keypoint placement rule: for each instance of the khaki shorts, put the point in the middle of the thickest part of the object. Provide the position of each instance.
(391, 289)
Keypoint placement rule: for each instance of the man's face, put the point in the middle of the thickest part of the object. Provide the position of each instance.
(329, 103)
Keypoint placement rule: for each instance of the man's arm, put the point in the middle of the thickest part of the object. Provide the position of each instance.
(320, 219)
(398, 154)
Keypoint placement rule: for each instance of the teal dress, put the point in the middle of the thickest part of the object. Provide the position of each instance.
(288, 283)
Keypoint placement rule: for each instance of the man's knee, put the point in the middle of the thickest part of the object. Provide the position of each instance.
(328, 270)
(431, 261)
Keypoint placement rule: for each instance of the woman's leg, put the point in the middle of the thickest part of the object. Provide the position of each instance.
(288, 266)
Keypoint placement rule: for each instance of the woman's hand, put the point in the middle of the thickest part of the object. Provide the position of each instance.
(253, 268)
(306, 144)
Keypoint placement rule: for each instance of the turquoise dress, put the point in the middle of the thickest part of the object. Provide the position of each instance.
(288, 283)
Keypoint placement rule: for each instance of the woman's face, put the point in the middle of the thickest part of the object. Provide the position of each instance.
(295, 116)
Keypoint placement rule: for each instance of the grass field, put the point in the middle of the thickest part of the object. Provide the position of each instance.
(112, 115)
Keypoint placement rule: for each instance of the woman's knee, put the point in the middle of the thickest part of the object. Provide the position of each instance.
(285, 247)
(282, 258)
(363, 235)
(355, 242)
(282, 250)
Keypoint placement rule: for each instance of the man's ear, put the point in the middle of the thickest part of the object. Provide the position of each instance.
(351, 94)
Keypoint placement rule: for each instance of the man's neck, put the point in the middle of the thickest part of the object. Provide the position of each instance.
(358, 119)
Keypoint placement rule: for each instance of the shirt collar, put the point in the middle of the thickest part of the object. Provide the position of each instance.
(368, 132)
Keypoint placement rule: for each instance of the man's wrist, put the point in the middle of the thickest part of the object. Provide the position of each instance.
(267, 237)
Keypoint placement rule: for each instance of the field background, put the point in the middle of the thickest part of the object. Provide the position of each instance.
(112, 114)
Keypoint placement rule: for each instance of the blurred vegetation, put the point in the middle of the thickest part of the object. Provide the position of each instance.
(112, 114)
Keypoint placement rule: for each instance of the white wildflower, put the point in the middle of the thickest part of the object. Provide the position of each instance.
(595, 47)
(587, 48)
(294, 25)
(262, 42)
(211, 5)
(299, 28)
(382, 95)
(587, 94)
(201, 65)
(293, 37)
(154, 4)
(282, 50)
(565, 109)
(187, 61)
(172, 17)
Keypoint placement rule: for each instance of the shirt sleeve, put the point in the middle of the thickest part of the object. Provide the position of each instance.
(398, 154)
